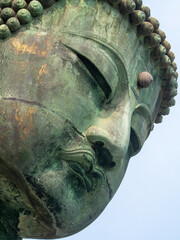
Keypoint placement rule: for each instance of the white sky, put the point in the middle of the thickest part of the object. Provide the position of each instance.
(147, 204)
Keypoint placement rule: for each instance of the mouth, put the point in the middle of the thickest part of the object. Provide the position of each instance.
(82, 162)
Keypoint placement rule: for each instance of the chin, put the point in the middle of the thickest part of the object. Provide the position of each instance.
(74, 199)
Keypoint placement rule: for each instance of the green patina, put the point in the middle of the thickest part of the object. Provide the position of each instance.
(77, 100)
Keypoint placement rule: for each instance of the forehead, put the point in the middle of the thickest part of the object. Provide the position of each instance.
(98, 31)
(103, 28)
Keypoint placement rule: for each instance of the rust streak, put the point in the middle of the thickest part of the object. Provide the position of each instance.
(24, 119)
(32, 48)
(42, 72)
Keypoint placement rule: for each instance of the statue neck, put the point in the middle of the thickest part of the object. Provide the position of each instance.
(8, 224)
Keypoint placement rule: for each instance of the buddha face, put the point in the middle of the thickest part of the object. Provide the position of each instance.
(73, 115)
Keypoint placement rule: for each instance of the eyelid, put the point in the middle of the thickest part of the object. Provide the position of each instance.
(98, 57)
(141, 124)
(97, 75)
(134, 145)
(145, 111)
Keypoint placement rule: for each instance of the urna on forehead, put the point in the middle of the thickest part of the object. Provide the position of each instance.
(81, 84)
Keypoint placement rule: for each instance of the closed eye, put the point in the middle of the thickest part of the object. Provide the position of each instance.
(97, 75)
(141, 124)
(134, 145)
(104, 65)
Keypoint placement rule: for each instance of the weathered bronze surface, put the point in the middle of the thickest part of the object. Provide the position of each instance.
(81, 84)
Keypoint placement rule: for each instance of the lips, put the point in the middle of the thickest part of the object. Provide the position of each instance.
(78, 169)
(82, 162)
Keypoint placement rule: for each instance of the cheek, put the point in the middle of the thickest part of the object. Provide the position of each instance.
(30, 133)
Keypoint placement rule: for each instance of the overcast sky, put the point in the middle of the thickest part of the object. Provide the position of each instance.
(147, 204)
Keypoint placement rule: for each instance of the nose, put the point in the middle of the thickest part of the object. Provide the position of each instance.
(101, 137)
(112, 133)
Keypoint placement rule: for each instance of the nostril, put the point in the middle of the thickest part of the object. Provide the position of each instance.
(103, 155)
(106, 150)
(99, 144)
(112, 164)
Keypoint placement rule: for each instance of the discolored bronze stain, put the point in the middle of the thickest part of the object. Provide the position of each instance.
(42, 72)
(32, 48)
(24, 118)
(78, 101)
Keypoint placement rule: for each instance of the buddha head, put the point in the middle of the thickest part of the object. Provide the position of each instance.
(82, 83)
